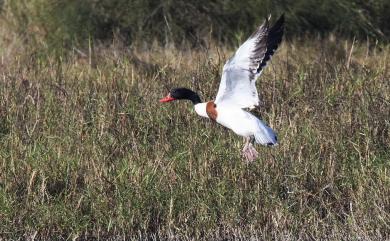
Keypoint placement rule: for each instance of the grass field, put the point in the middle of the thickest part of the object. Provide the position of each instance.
(87, 151)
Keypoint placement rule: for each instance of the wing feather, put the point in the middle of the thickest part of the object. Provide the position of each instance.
(238, 82)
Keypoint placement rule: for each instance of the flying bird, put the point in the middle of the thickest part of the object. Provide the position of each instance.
(237, 89)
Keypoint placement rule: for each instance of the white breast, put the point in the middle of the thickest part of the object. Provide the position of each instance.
(200, 109)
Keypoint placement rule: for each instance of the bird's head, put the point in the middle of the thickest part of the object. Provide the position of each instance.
(181, 94)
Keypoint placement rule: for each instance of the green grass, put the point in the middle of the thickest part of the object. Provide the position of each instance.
(88, 151)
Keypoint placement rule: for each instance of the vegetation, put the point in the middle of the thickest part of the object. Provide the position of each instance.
(54, 23)
(87, 151)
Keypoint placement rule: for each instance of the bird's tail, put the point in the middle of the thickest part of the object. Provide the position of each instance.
(265, 135)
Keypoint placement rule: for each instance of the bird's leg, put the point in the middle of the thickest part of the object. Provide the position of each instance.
(245, 152)
(246, 139)
(252, 149)
(249, 151)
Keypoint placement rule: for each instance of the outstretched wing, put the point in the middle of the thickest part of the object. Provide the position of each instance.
(238, 82)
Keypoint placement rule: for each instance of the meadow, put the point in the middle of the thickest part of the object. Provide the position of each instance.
(88, 152)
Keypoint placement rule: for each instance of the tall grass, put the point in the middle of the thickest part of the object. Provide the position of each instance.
(87, 151)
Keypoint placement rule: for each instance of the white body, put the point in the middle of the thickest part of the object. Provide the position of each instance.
(242, 123)
(237, 89)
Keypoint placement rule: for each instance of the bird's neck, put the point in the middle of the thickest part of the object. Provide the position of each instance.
(193, 97)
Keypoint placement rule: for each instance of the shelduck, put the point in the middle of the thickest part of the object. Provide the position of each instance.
(237, 89)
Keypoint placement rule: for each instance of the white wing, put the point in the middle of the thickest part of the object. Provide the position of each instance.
(238, 82)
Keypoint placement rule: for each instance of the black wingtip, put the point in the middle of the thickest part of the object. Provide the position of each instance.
(279, 24)
(282, 17)
(274, 38)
